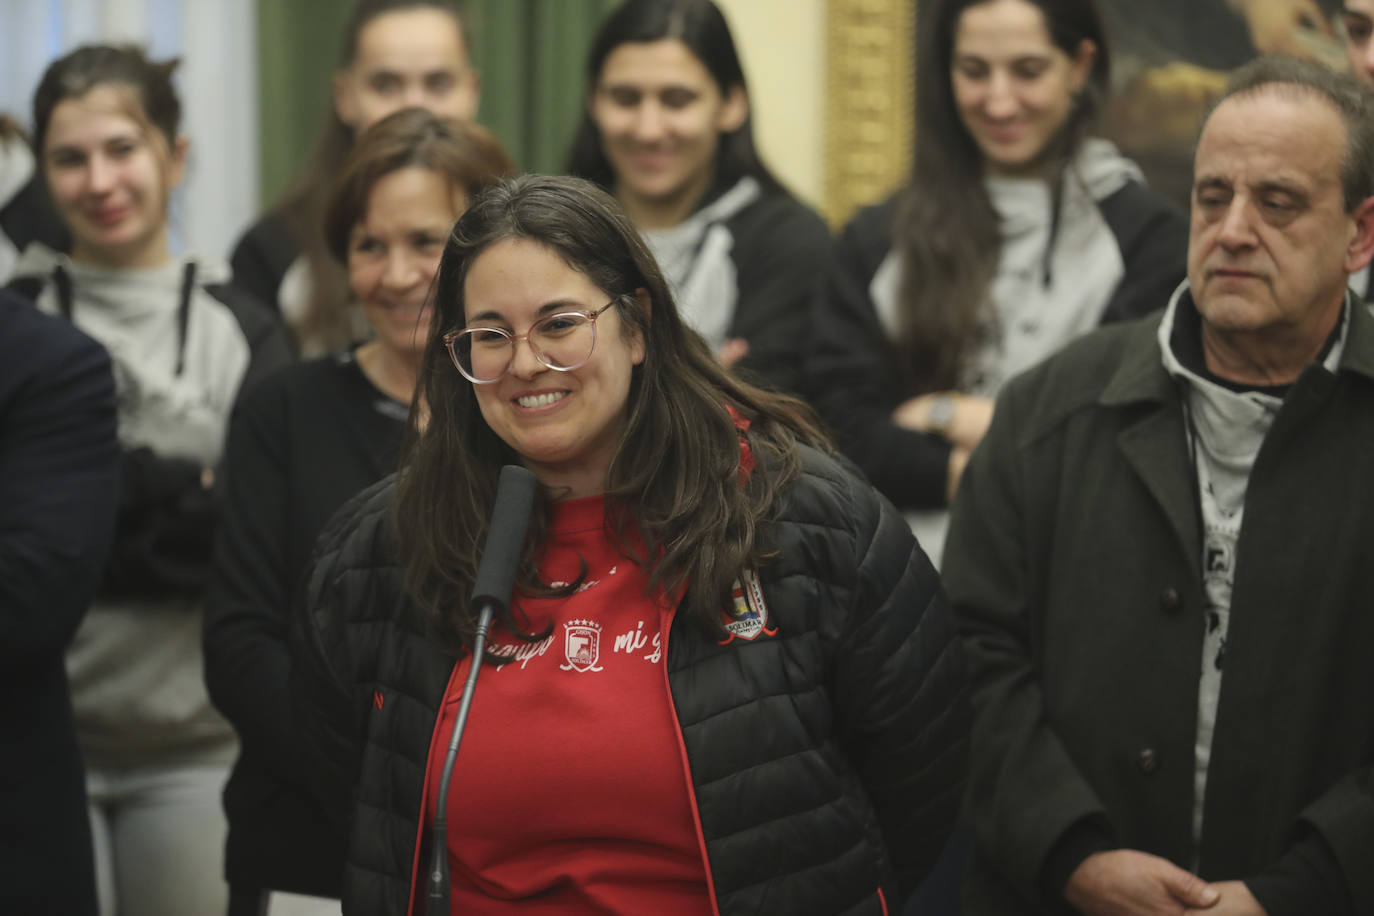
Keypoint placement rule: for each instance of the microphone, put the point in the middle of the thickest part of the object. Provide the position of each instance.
(491, 591)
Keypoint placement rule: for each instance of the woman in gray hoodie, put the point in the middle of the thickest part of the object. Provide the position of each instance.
(182, 345)
(1016, 233)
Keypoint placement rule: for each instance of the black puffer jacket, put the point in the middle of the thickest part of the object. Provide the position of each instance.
(828, 760)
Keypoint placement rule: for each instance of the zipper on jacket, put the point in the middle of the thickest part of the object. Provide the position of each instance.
(424, 792)
(665, 626)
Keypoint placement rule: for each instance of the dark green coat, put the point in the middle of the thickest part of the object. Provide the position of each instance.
(1073, 563)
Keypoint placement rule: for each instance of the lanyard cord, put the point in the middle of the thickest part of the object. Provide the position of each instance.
(65, 299)
(1195, 472)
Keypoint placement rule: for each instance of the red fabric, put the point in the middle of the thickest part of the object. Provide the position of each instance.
(746, 454)
(571, 791)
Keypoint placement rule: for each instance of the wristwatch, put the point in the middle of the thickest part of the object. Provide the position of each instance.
(940, 416)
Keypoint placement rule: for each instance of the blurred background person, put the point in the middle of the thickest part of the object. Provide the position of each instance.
(1016, 233)
(1358, 18)
(182, 344)
(299, 446)
(59, 467)
(668, 132)
(728, 680)
(396, 54)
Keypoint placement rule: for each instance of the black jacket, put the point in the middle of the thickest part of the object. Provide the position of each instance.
(1074, 562)
(58, 471)
(262, 256)
(778, 251)
(300, 445)
(827, 761)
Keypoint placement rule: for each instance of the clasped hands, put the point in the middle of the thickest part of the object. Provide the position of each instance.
(1124, 882)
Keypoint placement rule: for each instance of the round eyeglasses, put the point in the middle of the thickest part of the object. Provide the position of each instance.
(562, 341)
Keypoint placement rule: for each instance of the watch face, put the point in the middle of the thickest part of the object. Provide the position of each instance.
(941, 413)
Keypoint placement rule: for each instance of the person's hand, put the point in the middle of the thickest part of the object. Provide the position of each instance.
(1283, 26)
(1125, 882)
(732, 351)
(1236, 900)
(966, 429)
(958, 460)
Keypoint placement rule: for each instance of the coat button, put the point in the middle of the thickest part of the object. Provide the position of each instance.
(1170, 600)
(1148, 761)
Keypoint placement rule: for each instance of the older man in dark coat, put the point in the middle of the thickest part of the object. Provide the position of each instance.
(58, 472)
(1162, 558)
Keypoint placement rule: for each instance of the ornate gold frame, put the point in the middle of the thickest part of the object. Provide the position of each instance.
(869, 98)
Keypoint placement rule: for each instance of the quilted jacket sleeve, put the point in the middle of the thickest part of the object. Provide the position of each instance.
(901, 689)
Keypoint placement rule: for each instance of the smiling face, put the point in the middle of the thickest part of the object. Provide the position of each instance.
(1271, 247)
(110, 176)
(1013, 87)
(566, 426)
(660, 115)
(412, 58)
(394, 252)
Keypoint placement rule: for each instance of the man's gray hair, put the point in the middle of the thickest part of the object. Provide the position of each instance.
(1352, 101)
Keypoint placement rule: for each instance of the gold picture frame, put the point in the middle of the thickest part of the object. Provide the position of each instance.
(870, 89)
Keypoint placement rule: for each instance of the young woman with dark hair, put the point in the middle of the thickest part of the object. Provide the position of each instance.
(668, 131)
(727, 681)
(1016, 233)
(299, 446)
(183, 344)
(395, 54)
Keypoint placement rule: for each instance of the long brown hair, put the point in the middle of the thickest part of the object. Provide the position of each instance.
(946, 230)
(675, 478)
(328, 325)
(466, 155)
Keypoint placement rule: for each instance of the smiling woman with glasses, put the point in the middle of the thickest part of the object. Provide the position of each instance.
(562, 341)
(715, 626)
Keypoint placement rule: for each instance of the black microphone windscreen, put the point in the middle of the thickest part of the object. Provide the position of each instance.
(510, 517)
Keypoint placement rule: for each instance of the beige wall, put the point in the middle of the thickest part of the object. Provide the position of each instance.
(783, 46)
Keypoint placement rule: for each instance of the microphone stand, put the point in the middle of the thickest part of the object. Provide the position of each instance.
(437, 899)
(492, 589)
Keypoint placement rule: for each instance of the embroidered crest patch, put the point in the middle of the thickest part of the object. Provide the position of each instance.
(747, 615)
(581, 645)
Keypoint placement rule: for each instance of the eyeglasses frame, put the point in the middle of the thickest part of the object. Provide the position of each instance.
(451, 336)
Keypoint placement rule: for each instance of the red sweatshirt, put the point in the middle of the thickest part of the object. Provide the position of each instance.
(571, 792)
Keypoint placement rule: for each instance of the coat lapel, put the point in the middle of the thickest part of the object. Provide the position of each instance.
(1153, 442)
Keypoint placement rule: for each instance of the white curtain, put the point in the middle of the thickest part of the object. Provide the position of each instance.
(216, 41)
